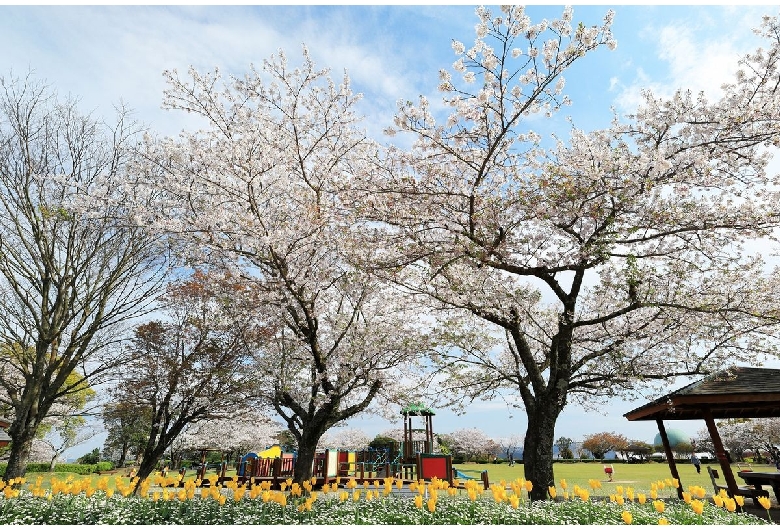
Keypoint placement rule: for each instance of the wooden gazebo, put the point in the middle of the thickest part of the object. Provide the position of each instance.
(739, 392)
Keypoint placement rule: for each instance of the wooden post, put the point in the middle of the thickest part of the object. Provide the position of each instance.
(277, 471)
(202, 471)
(670, 457)
(720, 451)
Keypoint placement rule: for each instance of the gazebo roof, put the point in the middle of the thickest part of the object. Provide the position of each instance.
(739, 392)
(417, 409)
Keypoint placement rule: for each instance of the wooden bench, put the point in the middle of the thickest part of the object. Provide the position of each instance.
(747, 491)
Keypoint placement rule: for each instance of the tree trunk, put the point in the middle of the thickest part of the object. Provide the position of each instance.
(20, 452)
(538, 450)
(307, 450)
(123, 454)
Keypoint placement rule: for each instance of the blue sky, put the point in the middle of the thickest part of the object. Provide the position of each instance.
(105, 55)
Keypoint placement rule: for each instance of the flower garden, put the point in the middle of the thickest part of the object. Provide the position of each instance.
(388, 501)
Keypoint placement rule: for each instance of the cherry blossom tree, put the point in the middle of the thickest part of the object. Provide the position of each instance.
(760, 435)
(346, 439)
(511, 445)
(244, 429)
(265, 190)
(472, 443)
(592, 266)
(69, 281)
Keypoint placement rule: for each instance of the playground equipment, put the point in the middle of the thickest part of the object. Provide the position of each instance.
(409, 461)
(409, 412)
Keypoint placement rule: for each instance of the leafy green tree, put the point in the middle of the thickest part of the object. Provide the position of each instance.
(93, 457)
(127, 424)
(564, 447)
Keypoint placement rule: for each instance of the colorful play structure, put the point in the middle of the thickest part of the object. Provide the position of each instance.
(409, 461)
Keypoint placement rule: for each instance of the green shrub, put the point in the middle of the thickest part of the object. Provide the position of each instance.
(104, 466)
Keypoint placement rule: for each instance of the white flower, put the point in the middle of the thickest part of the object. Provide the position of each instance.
(458, 47)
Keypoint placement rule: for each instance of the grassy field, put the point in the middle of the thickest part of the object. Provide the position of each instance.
(638, 476)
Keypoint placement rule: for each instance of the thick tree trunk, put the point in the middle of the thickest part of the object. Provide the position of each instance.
(153, 451)
(307, 450)
(538, 450)
(20, 452)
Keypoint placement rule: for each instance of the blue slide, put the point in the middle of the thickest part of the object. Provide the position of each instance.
(458, 474)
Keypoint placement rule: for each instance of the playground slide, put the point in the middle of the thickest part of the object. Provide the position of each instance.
(274, 451)
(458, 474)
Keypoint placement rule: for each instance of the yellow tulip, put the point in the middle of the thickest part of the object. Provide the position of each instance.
(687, 497)
(552, 492)
(718, 500)
(563, 483)
(529, 486)
(659, 506)
(627, 517)
(697, 506)
(619, 490)
(584, 495)
(730, 504)
(662, 521)
(431, 505)
(764, 502)
(739, 499)
(356, 495)
(514, 501)
(418, 501)
(641, 497)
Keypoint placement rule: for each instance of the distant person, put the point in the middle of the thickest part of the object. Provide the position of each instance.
(696, 462)
(511, 459)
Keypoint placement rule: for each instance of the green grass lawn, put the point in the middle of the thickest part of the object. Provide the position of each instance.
(638, 476)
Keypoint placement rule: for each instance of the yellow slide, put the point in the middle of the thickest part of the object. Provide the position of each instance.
(275, 451)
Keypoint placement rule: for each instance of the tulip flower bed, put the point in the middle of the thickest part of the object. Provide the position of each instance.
(76, 501)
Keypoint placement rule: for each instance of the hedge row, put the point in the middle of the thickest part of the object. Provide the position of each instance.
(79, 469)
